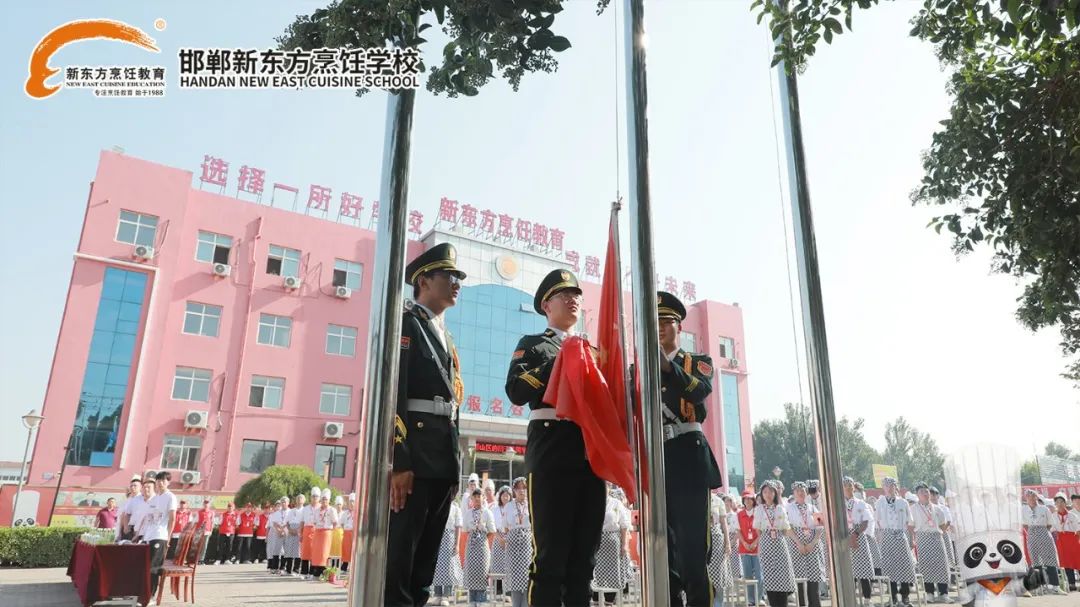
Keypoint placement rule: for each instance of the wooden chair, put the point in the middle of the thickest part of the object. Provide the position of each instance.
(174, 572)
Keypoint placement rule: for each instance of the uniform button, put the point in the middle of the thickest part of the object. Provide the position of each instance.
(547, 424)
(698, 442)
(663, 389)
(419, 424)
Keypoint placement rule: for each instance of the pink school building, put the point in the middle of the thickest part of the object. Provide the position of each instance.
(214, 337)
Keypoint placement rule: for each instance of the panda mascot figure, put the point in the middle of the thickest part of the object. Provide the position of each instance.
(983, 492)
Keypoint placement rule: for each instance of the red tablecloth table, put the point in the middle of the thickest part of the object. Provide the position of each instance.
(100, 572)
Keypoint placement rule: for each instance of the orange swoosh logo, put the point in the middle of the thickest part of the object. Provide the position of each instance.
(74, 31)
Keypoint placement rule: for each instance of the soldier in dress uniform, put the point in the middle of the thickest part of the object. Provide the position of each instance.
(566, 530)
(691, 472)
(425, 476)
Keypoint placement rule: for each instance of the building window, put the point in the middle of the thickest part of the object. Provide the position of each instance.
(181, 452)
(274, 330)
(348, 274)
(257, 455)
(136, 228)
(729, 386)
(283, 261)
(191, 384)
(334, 399)
(332, 458)
(108, 368)
(213, 248)
(266, 392)
(727, 347)
(202, 319)
(341, 341)
(687, 341)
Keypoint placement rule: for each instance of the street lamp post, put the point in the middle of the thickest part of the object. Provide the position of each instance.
(31, 421)
(510, 460)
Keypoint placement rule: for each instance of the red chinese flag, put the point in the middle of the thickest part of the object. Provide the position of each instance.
(591, 391)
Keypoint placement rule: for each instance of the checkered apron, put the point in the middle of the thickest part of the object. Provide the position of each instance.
(776, 570)
(498, 555)
(950, 551)
(477, 555)
(448, 565)
(610, 571)
(862, 560)
(875, 551)
(519, 549)
(809, 566)
(734, 562)
(275, 544)
(897, 561)
(292, 541)
(933, 561)
(719, 572)
(1041, 547)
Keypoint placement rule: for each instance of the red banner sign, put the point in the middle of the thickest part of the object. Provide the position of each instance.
(499, 448)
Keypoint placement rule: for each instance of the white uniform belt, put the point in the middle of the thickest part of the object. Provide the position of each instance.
(673, 430)
(545, 413)
(438, 406)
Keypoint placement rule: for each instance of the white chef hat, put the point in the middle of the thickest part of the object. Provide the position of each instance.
(316, 492)
(352, 497)
(983, 481)
(489, 484)
(339, 500)
(474, 478)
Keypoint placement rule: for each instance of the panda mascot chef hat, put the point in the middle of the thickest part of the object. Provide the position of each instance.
(983, 488)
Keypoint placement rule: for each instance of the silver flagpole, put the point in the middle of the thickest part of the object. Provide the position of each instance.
(817, 349)
(654, 553)
(377, 417)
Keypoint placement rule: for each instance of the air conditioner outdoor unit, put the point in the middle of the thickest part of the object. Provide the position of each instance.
(292, 282)
(343, 292)
(143, 252)
(333, 430)
(221, 269)
(149, 473)
(196, 420)
(733, 363)
(189, 477)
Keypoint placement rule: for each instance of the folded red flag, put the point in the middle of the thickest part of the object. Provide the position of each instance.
(581, 394)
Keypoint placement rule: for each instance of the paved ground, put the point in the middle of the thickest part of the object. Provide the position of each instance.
(246, 585)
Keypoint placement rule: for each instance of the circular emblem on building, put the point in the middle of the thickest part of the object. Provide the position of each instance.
(507, 267)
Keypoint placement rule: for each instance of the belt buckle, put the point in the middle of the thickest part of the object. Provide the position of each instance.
(669, 432)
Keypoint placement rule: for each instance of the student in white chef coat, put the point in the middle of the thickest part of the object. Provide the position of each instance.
(519, 544)
(479, 526)
(893, 517)
(808, 535)
(929, 528)
(859, 520)
(1040, 544)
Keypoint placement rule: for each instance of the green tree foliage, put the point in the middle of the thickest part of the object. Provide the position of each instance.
(511, 37)
(1004, 169)
(1060, 451)
(1029, 473)
(790, 444)
(914, 453)
(278, 481)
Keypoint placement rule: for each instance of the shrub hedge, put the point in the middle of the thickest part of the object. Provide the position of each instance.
(38, 546)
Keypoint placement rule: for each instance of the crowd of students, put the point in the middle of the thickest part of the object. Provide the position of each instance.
(487, 542)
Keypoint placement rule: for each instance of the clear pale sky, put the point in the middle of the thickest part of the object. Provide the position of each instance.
(912, 331)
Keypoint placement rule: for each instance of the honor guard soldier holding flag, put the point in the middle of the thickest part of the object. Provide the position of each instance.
(425, 473)
(690, 469)
(566, 497)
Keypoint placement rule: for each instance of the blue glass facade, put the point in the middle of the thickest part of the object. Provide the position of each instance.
(105, 381)
(736, 475)
(487, 323)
